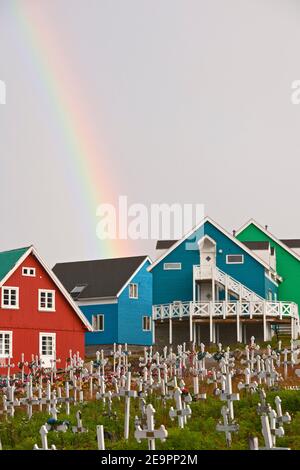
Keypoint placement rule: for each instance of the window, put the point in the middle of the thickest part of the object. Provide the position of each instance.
(77, 290)
(270, 294)
(235, 259)
(46, 300)
(98, 322)
(47, 346)
(133, 291)
(10, 297)
(170, 266)
(30, 272)
(5, 344)
(146, 323)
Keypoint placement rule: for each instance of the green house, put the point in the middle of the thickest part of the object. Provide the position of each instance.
(287, 255)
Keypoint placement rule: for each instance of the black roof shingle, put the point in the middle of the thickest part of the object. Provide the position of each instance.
(98, 278)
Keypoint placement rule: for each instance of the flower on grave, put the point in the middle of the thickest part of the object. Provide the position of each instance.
(201, 355)
(218, 356)
(184, 391)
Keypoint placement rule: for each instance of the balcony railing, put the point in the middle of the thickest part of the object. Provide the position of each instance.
(244, 309)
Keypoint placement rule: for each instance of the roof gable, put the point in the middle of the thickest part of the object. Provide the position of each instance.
(191, 235)
(14, 259)
(8, 259)
(100, 278)
(269, 235)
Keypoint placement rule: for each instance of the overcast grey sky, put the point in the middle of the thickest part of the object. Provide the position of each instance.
(189, 101)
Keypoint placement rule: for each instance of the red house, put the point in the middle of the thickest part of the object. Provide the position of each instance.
(37, 315)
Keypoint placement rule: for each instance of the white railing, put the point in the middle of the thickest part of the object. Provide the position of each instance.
(244, 309)
(208, 272)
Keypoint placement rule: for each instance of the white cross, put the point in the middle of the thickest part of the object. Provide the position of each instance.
(43, 433)
(150, 433)
(127, 393)
(262, 407)
(226, 426)
(10, 402)
(180, 412)
(228, 395)
(100, 437)
(247, 385)
(281, 419)
(268, 438)
(79, 428)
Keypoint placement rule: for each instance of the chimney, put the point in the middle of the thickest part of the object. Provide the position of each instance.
(233, 232)
(266, 227)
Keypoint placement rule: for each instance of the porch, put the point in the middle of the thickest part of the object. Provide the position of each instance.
(198, 319)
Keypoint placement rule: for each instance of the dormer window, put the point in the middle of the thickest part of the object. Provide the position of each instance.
(30, 272)
(10, 297)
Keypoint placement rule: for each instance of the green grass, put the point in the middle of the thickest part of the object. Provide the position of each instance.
(20, 433)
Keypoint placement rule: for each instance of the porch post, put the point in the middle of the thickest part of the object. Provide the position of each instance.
(194, 285)
(238, 312)
(153, 326)
(170, 325)
(210, 322)
(226, 288)
(191, 321)
(265, 322)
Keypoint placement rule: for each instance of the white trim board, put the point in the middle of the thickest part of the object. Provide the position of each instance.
(32, 250)
(134, 274)
(222, 230)
(100, 301)
(268, 234)
(270, 279)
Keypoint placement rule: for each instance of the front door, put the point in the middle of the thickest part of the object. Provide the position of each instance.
(47, 349)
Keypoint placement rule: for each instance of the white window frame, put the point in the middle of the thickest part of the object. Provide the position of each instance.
(9, 288)
(96, 316)
(132, 294)
(150, 323)
(48, 334)
(172, 266)
(26, 271)
(234, 262)
(2, 354)
(46, 309)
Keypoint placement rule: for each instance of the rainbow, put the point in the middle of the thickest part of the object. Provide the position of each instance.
(86, 160)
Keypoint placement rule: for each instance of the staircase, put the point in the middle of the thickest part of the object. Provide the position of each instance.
(231, 284)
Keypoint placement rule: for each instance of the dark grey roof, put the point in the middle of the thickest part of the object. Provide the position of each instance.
(165, 244)
(293, 243)
(98, 278)
(257, 245)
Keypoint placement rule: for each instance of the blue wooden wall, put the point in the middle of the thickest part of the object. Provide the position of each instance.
(110, 333)
(178, 284)
(131, 311)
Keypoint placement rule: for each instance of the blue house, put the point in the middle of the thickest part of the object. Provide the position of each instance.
(211, 287)
(115, 295)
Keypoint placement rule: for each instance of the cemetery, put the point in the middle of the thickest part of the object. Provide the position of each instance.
(186, 397)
